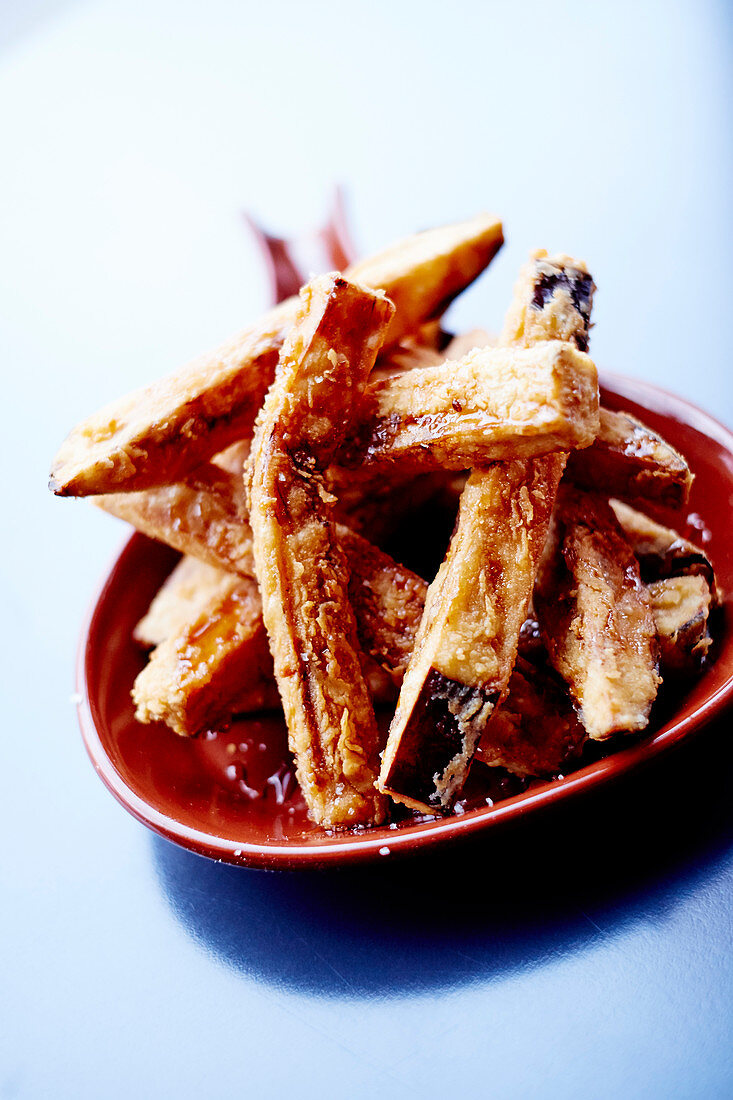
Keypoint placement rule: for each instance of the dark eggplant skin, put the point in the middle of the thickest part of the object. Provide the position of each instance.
(444, 728)
(578, 284)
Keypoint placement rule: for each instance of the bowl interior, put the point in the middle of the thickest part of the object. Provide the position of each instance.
(232, 794)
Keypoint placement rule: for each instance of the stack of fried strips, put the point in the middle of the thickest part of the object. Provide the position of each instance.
(558, 606)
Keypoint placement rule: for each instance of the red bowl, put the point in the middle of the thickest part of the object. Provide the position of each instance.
(200, 792)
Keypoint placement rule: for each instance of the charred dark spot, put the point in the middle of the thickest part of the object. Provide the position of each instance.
(433, 737)
(580, 287)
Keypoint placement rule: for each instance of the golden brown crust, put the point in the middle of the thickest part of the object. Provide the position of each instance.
(300, 566)
(388, 601)
(495, 404)
(207, 519)
(217, 664)
(161, 432)
(503, 520)
(212, 659)
(179, 601)
(205, 516)
(136, 442)
(631, 461)
(467, 641)
(424, 273)
(596, 619)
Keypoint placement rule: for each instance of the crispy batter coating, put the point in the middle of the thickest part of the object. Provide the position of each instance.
(467, 641)
(630, 460)
(179, 601)
(160, 433)
(300, 566)
(209, 524)
(207, 670)
(596, 618)
(492, 405)
(502, 525)
(424, 273)
(205, 516)
(212, 658)
(388, 601)
(681, 609)
(215, 665)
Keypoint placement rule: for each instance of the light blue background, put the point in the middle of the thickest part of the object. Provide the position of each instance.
(587, 956)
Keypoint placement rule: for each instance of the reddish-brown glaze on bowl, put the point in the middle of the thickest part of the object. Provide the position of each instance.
(199, 793)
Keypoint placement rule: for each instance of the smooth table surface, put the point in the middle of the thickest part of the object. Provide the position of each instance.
(587, 957)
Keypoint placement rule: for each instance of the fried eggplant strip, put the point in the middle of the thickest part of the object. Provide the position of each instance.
(596, 619)
(681, 609)
(422, 274)
(467, 641)
(468, 638)
(535, 731)
(495, 404)
(205, 516)
(204, 622)
(160, 433)
(630, 460)
(662, 551)
(388, 601)
(300, 566)
(217, 664)
(185, 594)
(553, 299)
(209, 523)
(212, 659)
